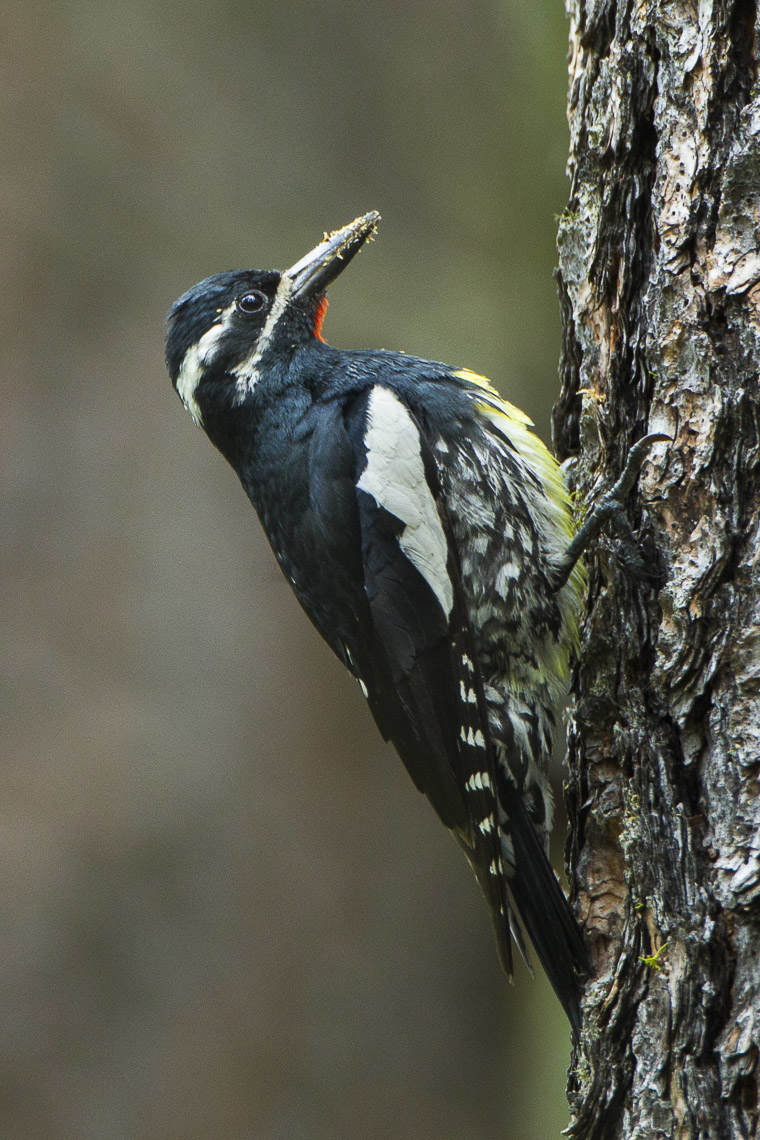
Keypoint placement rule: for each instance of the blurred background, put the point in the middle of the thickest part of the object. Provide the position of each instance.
(224, 909)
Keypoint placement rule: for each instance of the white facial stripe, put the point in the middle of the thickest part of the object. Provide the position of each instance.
(248, 372)
(192, 368)
(188, 380)
(395, 477)
(195, 361)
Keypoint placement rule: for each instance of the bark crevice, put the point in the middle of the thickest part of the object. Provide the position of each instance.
(659, 282)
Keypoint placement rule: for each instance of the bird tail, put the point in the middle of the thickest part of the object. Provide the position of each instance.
(546, 914)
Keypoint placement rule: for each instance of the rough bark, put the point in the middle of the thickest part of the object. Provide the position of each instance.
(660, 287)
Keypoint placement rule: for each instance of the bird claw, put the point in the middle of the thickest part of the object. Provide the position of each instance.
(610, 508)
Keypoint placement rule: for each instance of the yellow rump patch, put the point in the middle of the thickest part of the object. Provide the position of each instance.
(509, 410)
(552, 510)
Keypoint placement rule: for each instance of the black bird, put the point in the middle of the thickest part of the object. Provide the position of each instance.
(426, 531)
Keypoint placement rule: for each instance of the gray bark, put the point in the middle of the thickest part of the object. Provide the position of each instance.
(660, 288)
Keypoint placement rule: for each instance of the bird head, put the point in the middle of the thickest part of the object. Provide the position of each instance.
(225, 331)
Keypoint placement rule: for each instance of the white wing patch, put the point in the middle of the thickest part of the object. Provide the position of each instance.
(395, 477)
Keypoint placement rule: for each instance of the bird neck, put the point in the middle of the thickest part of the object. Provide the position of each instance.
(240, 414)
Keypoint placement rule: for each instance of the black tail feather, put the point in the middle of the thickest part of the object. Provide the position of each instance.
(546, 914)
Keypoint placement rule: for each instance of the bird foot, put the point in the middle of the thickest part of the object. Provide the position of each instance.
(611, 508)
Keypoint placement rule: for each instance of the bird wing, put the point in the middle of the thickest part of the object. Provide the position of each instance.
(411, 644)
(378, 573)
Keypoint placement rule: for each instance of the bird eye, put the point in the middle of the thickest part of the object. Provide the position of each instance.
(251, 302)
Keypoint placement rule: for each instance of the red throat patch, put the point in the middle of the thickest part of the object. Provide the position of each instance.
(319, 316)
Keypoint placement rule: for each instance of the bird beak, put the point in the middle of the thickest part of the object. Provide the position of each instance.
(313, 273)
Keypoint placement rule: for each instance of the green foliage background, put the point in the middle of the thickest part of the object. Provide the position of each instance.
(224, 910)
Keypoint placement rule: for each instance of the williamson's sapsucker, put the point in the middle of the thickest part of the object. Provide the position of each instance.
(425, 530)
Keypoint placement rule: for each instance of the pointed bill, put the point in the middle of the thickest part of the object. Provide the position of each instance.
(314, 272)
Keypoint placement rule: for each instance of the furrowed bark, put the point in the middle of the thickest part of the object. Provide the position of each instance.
(659, 283)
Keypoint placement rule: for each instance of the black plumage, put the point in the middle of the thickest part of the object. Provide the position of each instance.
(418, 521)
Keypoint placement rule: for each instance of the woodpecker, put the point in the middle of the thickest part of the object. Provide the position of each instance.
(426, 531)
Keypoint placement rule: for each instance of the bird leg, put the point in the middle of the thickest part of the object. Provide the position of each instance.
(610, 508)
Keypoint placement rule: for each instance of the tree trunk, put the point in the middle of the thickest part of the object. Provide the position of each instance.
(660, 287)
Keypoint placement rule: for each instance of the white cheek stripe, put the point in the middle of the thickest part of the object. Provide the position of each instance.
(247, 372)
(395, 477)
(193, 366)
